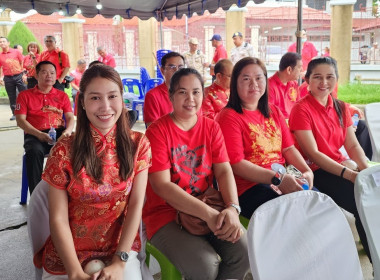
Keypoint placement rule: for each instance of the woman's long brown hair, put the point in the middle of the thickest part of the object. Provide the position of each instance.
(83, 148)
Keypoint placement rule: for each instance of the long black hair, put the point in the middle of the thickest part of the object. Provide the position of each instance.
(234, 101)
(339, 105)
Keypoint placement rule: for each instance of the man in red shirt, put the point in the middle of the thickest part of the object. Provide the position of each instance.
(105, 57)
(216, 95)
(157, 102)
(283, 85)
(37, 110)
(11, 71)
(219, 53)
(308, 50)
(59, 58)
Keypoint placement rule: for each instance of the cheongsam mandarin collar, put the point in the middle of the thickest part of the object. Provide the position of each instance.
(102, 141)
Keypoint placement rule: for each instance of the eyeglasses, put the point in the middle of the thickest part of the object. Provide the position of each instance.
(228, 76)
(174, 67)
(49, 41)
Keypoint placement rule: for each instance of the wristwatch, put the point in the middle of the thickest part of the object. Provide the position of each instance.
(123, 255)
(237, 207)
(276, 180)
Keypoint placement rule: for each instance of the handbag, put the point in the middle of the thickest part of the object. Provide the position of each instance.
(195, 225)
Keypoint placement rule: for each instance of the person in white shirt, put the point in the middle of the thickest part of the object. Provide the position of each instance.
(242, 49)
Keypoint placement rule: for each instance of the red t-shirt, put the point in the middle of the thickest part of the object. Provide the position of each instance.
(309, 114)
(220, 53)
(43, 110)
(308, 52)
(283, 96)
(189, 155)
(157, 103)
(11, 62)
(53, 56)
(96, 210)
(216, 99)
(252, 137)
(108, 60)
(29, 65)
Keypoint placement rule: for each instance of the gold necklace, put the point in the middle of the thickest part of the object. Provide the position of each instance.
(180, 124)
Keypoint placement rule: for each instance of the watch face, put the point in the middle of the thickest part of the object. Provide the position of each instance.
(124, 256)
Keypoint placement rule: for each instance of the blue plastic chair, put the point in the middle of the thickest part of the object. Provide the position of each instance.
(152, 83)
(144, 76)
(129, 86)
(159, 55)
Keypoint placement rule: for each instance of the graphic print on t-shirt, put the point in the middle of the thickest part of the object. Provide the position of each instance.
(189, 167)
(266, 142)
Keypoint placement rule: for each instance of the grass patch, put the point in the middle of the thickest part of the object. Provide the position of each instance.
(3, 93)
(356, 93)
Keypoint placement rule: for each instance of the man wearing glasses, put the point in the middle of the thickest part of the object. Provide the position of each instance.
(157, 102)
(216, 95)
(59, 58)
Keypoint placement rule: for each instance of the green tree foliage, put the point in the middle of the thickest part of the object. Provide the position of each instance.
(20, 34)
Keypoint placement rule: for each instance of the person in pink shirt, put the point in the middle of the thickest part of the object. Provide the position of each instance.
(219, 53)
(105, 57)
(157, 102)
(216, 95)
(321, 125)
(283, 85)
(308, 50)
(77, 75)
(33, 54)
(11, 72)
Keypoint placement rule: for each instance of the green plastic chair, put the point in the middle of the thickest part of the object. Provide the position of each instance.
(244, 221)
(168, 270)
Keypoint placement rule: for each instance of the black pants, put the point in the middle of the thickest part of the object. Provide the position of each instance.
(342, 192)
(32, 82)
(252, 198)
(364, 140)
(59, 86)
(12, 84)
(35, 151)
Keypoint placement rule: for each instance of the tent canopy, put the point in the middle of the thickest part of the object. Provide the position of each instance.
(144, 9)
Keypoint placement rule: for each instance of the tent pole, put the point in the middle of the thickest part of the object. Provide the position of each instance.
(298, 34)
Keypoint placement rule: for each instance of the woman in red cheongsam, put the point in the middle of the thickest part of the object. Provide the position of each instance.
(97, 181)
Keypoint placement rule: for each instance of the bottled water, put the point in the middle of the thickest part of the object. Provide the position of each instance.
(355, 120)
(52, 135)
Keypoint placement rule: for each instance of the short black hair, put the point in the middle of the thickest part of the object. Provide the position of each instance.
(44, 62)
(289, 59)
(169, 55)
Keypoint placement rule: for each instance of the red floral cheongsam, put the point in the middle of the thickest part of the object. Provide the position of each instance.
(96, 211)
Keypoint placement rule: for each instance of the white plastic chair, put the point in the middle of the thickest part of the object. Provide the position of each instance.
(302, 235)
(39, 229)
(372, 118)
(367, 197)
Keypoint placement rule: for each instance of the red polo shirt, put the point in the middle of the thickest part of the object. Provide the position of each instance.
(220, 53)
(53, 56)
(157, 103)
(283, 96)
(11, 62)
(308, 52)
(43, 110)
(309, 114)
(108, 60)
